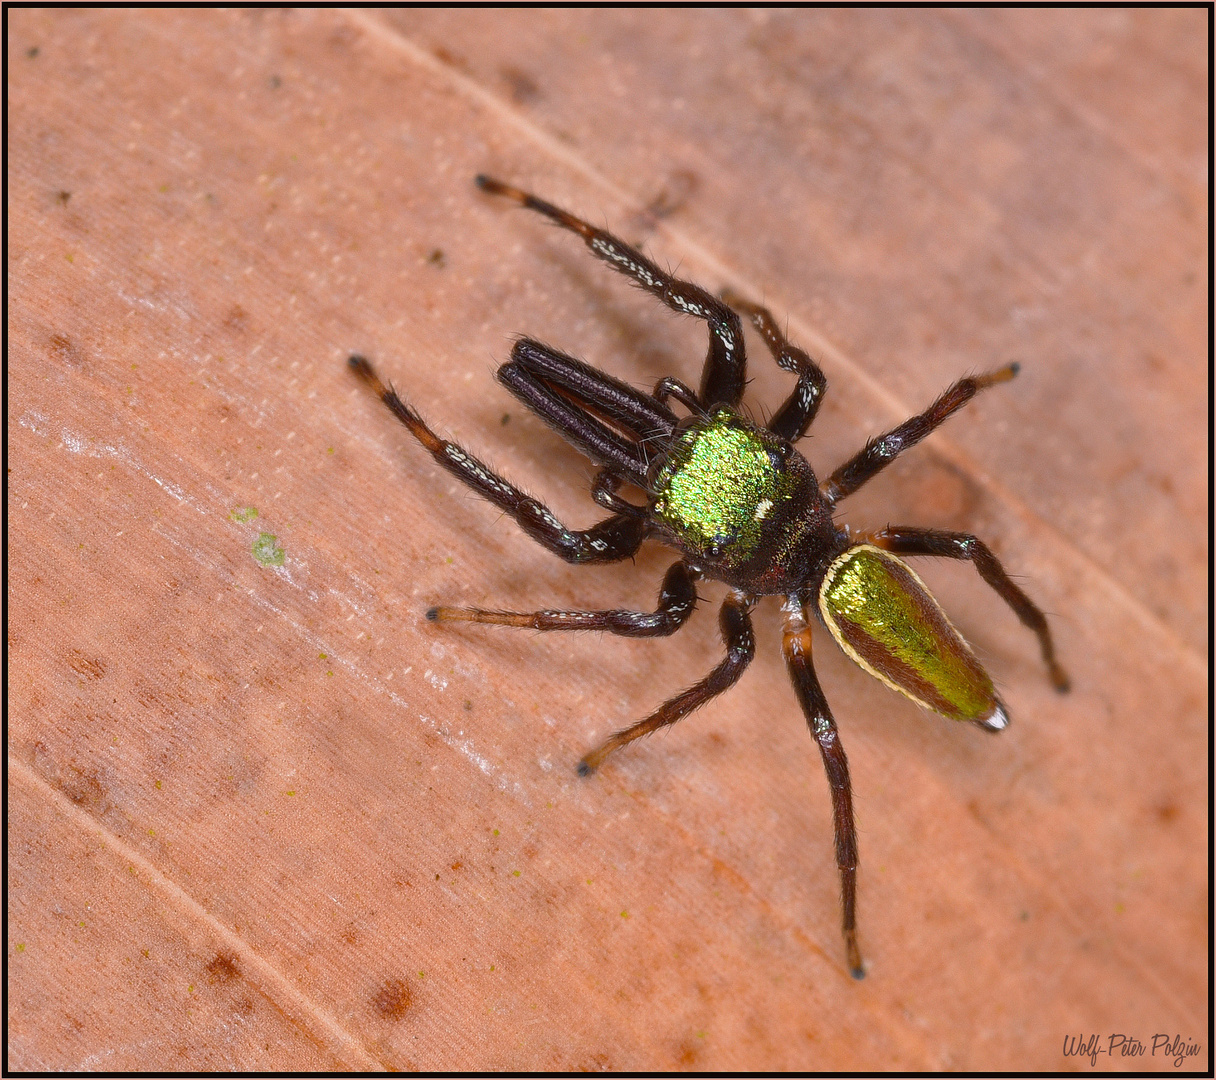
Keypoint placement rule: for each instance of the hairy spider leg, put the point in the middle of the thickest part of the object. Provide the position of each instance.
(725, 372)
(577, 424)
(638, 413)
(796, 415)
(604, 492)
(911, 540)
(796, 644)
(878, 453)
(677, 599)
(669, 386)
(612, 540)
(736, 629)
(571, 395)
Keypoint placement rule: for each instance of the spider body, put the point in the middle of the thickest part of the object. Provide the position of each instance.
(741, 505)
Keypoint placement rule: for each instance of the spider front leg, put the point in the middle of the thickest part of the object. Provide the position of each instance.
(910, 540)
(879, 453)
(677, 599)
(612, 540)
(796, 645)
(574, 397)
(798, 413)
(736, 628)
(725, 372)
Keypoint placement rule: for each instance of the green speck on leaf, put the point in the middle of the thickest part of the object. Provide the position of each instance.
(289, 793)
(21, 946)
(515, 873)
(624, 914)
(322, 656)
(267, 552)
(158, 785)
(495, 831)
(243, 513)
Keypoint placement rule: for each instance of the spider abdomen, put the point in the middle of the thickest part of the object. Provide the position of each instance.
(887, 621)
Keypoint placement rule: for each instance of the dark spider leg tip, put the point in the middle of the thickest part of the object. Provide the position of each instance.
(488, 183)
(854, 955)
(432, 614)
(1060, 680)
(584, 769)
(359, 365)
(993, 378)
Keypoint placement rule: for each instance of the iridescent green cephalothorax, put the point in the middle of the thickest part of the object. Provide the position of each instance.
(739, 499)
(718, 485)
(883, 616)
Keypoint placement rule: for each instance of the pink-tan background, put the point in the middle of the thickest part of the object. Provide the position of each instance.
(267, 817)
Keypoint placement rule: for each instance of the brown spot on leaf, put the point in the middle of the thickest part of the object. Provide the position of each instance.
(65, 350)
(237, 319)
(522, 86)
(673, 195)
(85, 789)
(392, 1000)
(83, 665)
(446, 56)
(687, 1054)
(344, 37)
(223, 968)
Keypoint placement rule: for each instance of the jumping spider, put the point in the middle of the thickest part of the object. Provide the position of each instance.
(741, 505)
